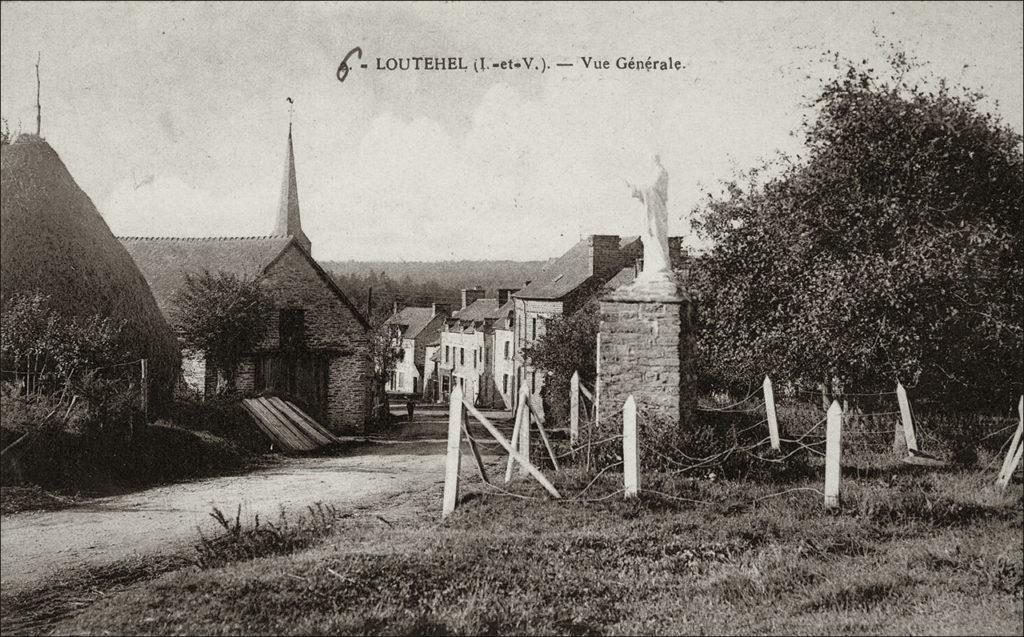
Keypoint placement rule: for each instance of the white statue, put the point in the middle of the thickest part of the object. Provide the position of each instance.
(654, 195)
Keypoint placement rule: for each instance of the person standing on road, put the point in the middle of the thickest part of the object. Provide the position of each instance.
(410, 406)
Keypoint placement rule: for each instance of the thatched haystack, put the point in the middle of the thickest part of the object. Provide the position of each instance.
(53, 241)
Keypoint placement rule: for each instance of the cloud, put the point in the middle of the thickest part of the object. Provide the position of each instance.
(168, 206)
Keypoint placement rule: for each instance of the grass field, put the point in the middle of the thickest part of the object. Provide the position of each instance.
(910, 551)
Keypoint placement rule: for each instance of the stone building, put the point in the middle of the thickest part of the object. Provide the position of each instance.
(316, 345)
(597, 264)
(415, 328)
(472, 352)
(562, 287)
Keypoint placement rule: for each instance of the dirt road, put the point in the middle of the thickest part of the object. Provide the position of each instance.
(35, 544)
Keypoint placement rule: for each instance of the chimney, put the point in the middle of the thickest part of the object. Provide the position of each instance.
(605, 257)
(504, 294)
(440, 308)
(394, 308)
(469, 295)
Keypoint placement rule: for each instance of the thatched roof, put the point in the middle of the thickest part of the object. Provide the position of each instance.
(54, 241)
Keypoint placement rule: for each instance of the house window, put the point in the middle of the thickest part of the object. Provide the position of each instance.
(534, 329)
(507, 344)
(462, 356)
(474, 359)
(446, 353)
(291, 327)
(533, 382)
(504, 383)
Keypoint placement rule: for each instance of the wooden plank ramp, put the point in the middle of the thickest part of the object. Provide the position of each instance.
(290, 428)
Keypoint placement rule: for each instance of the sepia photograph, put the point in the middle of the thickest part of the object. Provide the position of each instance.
(512, 318)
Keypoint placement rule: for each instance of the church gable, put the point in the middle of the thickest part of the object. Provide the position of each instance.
(331, 322)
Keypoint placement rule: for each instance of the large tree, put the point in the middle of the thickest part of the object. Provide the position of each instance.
(892, 249)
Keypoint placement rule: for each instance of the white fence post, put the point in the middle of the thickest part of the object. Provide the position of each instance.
(597, 389)
(833, 451)
(521, 409)
(574, 409)
(451, 472)
(1004, 480)
(769, 408)
(629, 456)
(1013, 454)
(908, 421)
(524, 430)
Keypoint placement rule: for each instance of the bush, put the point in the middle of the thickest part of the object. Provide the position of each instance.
(241, 541)
(65, 460)
(712, 443)
(222, 416)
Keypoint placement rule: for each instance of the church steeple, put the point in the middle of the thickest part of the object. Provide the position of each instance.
(288, 220)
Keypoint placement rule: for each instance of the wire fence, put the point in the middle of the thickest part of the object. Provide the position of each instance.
(39, 395)
(757, 429)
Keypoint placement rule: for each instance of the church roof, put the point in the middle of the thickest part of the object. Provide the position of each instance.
(164, 262)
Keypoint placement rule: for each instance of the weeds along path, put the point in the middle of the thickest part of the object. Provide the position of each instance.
(37, 545)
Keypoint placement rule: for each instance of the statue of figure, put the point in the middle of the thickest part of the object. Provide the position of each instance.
(654, 196)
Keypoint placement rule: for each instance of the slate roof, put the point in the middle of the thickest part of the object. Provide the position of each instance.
(478, 310)
(164, 262)
(412, 320)
(482, 310)
(625, 276)
(566, 273)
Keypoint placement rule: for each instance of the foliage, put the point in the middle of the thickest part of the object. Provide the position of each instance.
(220, 415)
(39, 338)
(243, 541)
(893, 250)
(75, 461)
(569, 344)
(5, 132)
(223, 315)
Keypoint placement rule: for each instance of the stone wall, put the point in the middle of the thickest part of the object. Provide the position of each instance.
(348, 396)
(331, 327)
(647, 351)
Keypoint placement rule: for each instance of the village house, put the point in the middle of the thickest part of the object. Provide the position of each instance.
(316, 346)
(595, 264)
(414, 329)
(475, 349)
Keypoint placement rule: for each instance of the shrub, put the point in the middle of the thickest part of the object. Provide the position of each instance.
(222, 416)
(223, 315)
(242, 541)
(712, 443)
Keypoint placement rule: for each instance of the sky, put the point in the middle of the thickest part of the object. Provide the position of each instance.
(173, 117)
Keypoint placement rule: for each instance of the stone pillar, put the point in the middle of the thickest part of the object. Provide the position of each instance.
(647, 343)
